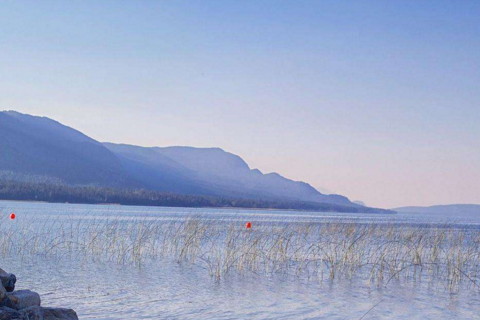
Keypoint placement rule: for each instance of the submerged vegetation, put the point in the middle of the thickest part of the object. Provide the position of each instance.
(377, 253)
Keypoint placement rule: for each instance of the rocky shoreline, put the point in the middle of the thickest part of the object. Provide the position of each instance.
(25, 304)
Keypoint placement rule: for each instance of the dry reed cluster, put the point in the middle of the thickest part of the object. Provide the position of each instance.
(379, 253)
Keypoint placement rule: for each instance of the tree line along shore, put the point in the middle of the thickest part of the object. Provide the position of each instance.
(60, 193)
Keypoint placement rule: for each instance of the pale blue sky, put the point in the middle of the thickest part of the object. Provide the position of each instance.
(376, 100)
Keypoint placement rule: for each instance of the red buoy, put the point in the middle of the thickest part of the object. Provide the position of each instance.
(12, 216)
(248, 225)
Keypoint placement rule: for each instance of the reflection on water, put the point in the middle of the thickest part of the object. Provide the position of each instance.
(166, 290)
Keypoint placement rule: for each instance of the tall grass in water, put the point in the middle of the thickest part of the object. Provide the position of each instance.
(377, 252)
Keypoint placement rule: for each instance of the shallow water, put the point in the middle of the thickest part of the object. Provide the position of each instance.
(164, 289)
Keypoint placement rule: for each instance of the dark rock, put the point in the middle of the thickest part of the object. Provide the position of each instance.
(6, 302)
(25, 304)
(40, 313)
(8, 280)
(10, 314)
(23, 299)
(3, 292)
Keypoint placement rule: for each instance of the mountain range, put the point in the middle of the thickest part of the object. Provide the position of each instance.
(37, 149)
(451, 209)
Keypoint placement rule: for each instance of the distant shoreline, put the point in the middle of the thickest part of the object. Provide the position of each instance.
(204, 207)
(59, 193)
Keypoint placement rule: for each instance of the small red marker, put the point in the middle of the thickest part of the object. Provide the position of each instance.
(12, 216)
(248, 225)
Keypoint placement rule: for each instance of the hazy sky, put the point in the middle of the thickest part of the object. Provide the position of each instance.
(376, 100)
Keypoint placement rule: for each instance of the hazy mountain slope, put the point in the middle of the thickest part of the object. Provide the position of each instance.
(41, 149)
(218, 166)
(157, 172)
(36, 146)
(444, 209)
(222, 173)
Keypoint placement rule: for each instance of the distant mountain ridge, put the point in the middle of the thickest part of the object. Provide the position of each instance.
(217, 172)
(40, 148)
(31, 146)
(443, 209)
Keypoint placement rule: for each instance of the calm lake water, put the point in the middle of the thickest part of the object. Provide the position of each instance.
(164, 289)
